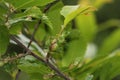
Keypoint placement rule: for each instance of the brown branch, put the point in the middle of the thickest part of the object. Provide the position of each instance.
(52, 67)
(33, 34)
(50, 5)
(36, 28)
(13, 58)
(39, 22)
(41, 59)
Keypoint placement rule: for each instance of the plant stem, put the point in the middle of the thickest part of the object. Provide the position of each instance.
(36, 28)
(39, 22)
(41, 59)
(14, 58)
(33, 34)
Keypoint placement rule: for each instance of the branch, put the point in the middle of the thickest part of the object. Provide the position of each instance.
(50, 5)
(36, 28)
(41, 59)
(13, 58)
(33, 34)
(39, 22)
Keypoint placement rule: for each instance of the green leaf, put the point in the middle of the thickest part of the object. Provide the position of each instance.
(87, 30)
(40, 33)
(4, 39)
(56, 78)
(22, 4)
(109, 67)
(30, 76)
(36, 71)
(70, 2)
(70, 12)
(34, 12)
(109, 24)
(114, 69)
(110, 43)
(33, 68)
(101, 67)
(23, 76)
(3, 12)
(75, 48)
(36, 76)
(15, 28)
(66, 10)
(47, 21)
(89, 77)
(3, 9)
(5, 75)
(55, 17)
(16, 20)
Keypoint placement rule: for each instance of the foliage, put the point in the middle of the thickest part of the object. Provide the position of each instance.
(49, 40)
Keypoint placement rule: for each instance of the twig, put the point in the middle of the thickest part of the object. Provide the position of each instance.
(36, 28)
(41, 59)
(39, 22)
(52, 67)
(9, 59)
(50, 5)
(33, 34)
(13, 58)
